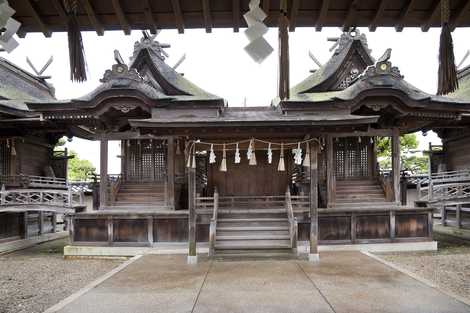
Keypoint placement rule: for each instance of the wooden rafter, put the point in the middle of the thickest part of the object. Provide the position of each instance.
(121, 17)
(92, 17)
(60, 10)
(350, 15)
(148, 13)
(293, 14)
(178, 15)
(236, 15)
(377, 16)
(206, 12)
(435, 11)
(459, 13)
(323, 13)
(405, 11)
(44, 28)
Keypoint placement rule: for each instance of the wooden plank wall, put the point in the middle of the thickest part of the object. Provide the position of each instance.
(458, 152)
(31, 159)
(10, 225)
(243, 179)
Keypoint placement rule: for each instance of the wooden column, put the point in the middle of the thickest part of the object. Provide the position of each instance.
(330, 174)
(41, 222)
(313, 255)
(150, 238)
(103, 172)
(396, 164)
(283, 52)
(192, 253)
(25, 225)
(54, 222)
(171, 173)
(123, 159)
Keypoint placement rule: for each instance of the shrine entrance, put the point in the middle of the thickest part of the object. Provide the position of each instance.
(353, 157)
(144, 160)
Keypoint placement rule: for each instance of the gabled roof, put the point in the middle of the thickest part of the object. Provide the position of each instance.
(350, 58)
(463, 92)
(17, 86)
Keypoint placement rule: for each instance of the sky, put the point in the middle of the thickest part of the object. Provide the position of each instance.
(217, 63)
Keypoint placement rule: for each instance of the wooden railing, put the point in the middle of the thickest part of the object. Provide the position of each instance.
(444, 186)
(213, 224)
(33, 181)
(114, 183)
(63, 198)
(293, 225)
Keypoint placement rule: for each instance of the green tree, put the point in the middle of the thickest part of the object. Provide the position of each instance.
(79, 169)
(409, 159)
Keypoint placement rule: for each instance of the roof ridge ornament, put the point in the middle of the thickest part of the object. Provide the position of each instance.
(346, 37)
(153, 46)
(383, 67)
(121, 75)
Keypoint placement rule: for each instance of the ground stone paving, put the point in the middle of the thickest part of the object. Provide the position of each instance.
(345, 282)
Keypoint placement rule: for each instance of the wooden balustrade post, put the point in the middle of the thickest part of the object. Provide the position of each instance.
(25, 225)
(54, 222)
(192, 253)
(313, 254)
(392, 225)
(3, 195)
(41, 222)
(150, 238)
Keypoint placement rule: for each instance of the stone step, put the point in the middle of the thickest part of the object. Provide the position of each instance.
(254, 254)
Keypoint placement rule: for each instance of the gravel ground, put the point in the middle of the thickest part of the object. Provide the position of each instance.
(448, 268)
(34, 279)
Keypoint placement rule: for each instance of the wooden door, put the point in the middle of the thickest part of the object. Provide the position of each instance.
(146, 160)
(352, 157)
(5, 155)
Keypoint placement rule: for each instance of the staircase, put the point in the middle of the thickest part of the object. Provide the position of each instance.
(253, 232)
(140, 195)
(360, 192)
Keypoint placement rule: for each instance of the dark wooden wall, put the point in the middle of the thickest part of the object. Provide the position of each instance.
(10, 225)
(31, 159)
(457, 148)
(243, 179)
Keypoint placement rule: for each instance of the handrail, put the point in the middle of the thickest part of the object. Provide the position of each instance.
(432, 186)
(115, 184)
(293, 225)
(64, 198)
(213, 224)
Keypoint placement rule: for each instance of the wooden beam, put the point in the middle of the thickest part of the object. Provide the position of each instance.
(294, 11)
(60, 10)
(377, 16)
(121, 16)
(171, 172)
(179, 21)
(435, 12)
(192, 252)
(283, 83)
(42, 25)
(149, 17)
(350, 16)
(459, 14)
(396, 164)
(206, 12)
(313, 255)
(404, 13)
(103, 172)
(323, 13)
(92, 17)
(236, 15)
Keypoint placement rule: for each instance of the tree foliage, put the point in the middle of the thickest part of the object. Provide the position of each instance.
(79, 169)
(409, 160)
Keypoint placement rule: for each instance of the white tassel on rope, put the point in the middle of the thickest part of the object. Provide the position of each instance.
(307, 156)
(281, 167)
(212, 155)
(253, 154)
(237, 155)
(249, 152)
(223, 164)
(298, 155)
(270, 154)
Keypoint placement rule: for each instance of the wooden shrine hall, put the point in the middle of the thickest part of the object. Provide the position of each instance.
(252, 179)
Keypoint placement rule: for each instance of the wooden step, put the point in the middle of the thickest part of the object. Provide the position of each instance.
(252, 228)
(250, 236)
(253, 244)
(253, 254)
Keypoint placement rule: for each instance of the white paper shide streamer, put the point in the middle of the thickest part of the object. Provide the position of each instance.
(298, 155)
(223, 164)
(270, 154)
(258, 48)
(237, 155)
(281, 167)
(9, 25)
(212, 155)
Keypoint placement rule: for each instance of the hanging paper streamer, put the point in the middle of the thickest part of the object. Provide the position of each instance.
(250, 150)
(306, 162)
(371, 140)
(270, 154)
(178, 148)
(237, 155)
(13, 150)
(258, 48)
(212, 155)
(188, 163)
(298, 155)
(253, 154)
(359, 139)
(281, 167)
(223, 164)
(194, 159)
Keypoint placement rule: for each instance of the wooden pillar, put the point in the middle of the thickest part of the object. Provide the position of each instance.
(192, 253)
(392, 225)
(110, 224)
(123, 160)
(330, 174)
(396, 164)
(103, 172)
(25, 225)
(54, 222)
(171, 173)
(313, 255)
(150, 231)
(283, 52)
(41, 222)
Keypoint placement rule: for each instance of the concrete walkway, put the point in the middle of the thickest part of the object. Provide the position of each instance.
(343, 282)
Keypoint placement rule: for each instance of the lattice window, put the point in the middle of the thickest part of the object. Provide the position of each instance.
(351, 157)
(146, 160)
(5, 158)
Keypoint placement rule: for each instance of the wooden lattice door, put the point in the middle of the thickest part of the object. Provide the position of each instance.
(351, 157)
(5, 153)
(145, 160)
